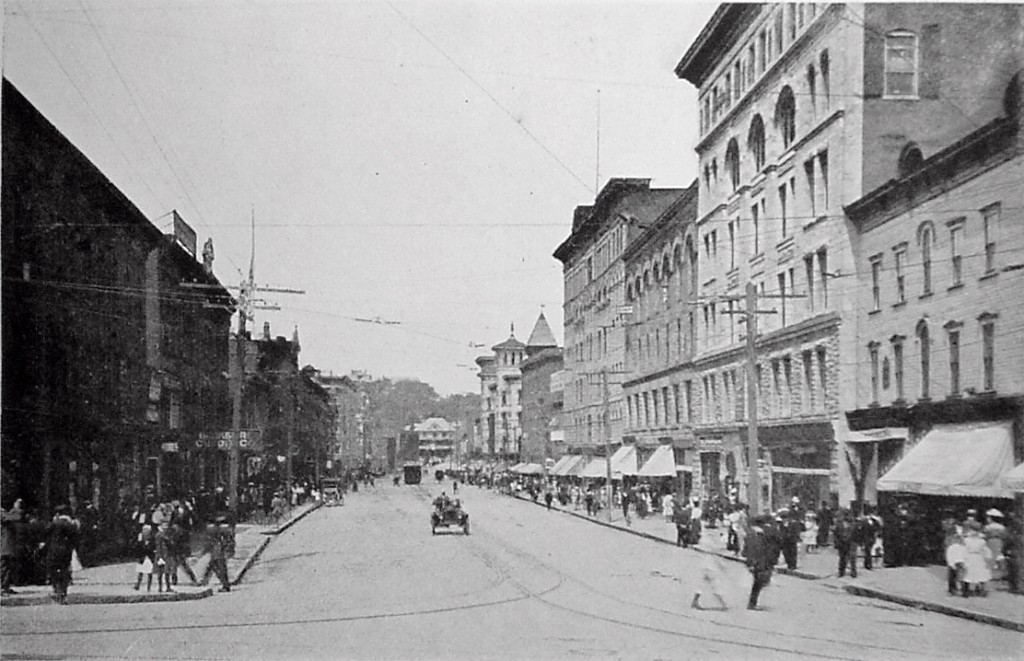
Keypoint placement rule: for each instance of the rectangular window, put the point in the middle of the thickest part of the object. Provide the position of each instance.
(762, 51)
(807, 387)
(677, 403)
(823, 270)
(629, 411)
(990, 223)
(782, 298)
(732, 244)
(755, 215)
(657, 408)
(751, 63)
(792, 22)
(706, 408)
(787, 389)
(873, 359)
(761, 403)
(776, 388)
(737, 80)
(876, 283)
(954, 362)
(811, 192)
(822, 378)
(727, 93)
(988, 350)
(825, 77)
(956, 239)
(688, 391)
(647, 409)
(779, 31)
(679, 338)
(782, 210)
(897, 367)
(823, 165)
(901, 276)
(792, 287)
(901, 64)
(732, 323)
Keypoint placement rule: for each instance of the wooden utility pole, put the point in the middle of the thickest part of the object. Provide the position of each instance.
(607, 438)
(753, 446)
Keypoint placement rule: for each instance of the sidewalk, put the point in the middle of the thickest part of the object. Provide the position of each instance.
(918, 587)
(112, 583)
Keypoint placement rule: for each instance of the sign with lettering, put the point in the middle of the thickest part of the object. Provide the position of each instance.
(250, 440)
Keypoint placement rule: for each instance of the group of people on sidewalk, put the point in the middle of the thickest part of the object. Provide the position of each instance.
(58, 548)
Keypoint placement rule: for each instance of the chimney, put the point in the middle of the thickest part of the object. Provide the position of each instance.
(266, 331)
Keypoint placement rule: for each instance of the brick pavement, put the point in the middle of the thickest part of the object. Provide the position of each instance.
(919, 587)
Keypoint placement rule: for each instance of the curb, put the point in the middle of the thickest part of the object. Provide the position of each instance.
(983, 618)
(269, 535)
(81, 598)
(856, 590)
(778, 570)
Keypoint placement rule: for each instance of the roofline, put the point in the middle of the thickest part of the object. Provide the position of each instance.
(693, 67)
(648, 235)
(613, 186)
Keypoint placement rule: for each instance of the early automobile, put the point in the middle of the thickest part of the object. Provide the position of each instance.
(449, 514)
(331, 488)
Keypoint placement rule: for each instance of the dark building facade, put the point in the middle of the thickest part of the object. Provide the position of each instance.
(540, 405)
(110, 364)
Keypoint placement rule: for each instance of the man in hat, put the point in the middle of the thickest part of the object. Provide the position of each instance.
(220, 545)
(792, 526)
(760, 560)
(995, 535)
(61, 541)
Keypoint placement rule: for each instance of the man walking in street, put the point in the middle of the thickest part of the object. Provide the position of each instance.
(61, 541)
(548, 497)
(760, 560)
(220, 544)
(845, 548)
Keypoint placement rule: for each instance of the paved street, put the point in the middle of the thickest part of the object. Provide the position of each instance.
(368, 580)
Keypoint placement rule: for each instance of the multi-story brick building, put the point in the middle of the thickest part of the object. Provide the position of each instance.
(594, 296)
(500, 387)
(661, 267)
(112, 366)
(940, 365)
(540, 404)
(346, 400)
(803, 108)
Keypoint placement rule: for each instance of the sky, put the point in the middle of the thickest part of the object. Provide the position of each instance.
(414, 163)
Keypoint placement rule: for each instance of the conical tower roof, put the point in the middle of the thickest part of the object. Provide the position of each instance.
(541, 337)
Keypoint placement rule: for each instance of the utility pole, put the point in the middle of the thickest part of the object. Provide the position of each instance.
(289, 435)
(754, 480)
(247, 305)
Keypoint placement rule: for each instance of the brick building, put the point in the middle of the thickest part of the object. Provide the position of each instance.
(804, 108)
(347, 401)
(594, 295)
(541, 405)
(661, 267)
(940, 365)
(111, 367)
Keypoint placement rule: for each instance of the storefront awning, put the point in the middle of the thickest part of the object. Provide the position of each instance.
(573, 466)
(562, 461)
(880, 434)
(531, 469)
(596, 467)
(624, 461)
(956, 460)
(1014, 480)
(661, 464)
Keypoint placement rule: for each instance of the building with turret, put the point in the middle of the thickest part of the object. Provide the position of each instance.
(541, 405)
(500, 385)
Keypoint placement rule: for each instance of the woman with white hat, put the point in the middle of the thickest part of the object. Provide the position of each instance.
(977, 559)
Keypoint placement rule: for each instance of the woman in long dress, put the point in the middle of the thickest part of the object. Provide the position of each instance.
(977, 560)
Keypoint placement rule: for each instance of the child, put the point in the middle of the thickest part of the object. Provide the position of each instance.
(955, 557)
(145, 550)
(809, 536)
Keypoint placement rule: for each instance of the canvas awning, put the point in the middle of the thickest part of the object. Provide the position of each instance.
(1014, 480)
(956, 460)
(880, 434)
(558, 464)
(531, 469)
(596, 467)
(661, 464)
(517, 467)
(624, 461)
(573, 466)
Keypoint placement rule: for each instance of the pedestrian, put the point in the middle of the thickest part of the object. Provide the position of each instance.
(977, 557)
(826, 519)
(711, 583)
(809, 537)
(220, 546)
(995, 535)
(667, 507)
(588, 500)
(624, 501)
(682, 517)
(180, 550)
(61, 541)
(742, 525)
(760, 557)
(9, 523)
(864, 535)
(792, 529)
(956, 558)
(163, 566)
(548, 497)
(846, 548)
(145, 557)
(696, 516)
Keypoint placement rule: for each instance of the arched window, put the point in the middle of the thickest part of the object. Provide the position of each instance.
(824, 65)
(666, 266)
(638, 287)
(901, 64)
(647, 279)
(677, 256)
(910, 159)
(691, 254)
(925, 346)
(926, 239)
(629, 292)
(732, 163)
(755, 141)
(785, 116)
(812, 85)
(657, 272)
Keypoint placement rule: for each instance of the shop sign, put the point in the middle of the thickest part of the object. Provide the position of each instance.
(171, 446)
(709, 444)
(225, 440)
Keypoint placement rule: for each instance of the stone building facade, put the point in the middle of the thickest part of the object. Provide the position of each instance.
(541, 405)
(803, 108)
(594, 298)
(500, 394)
